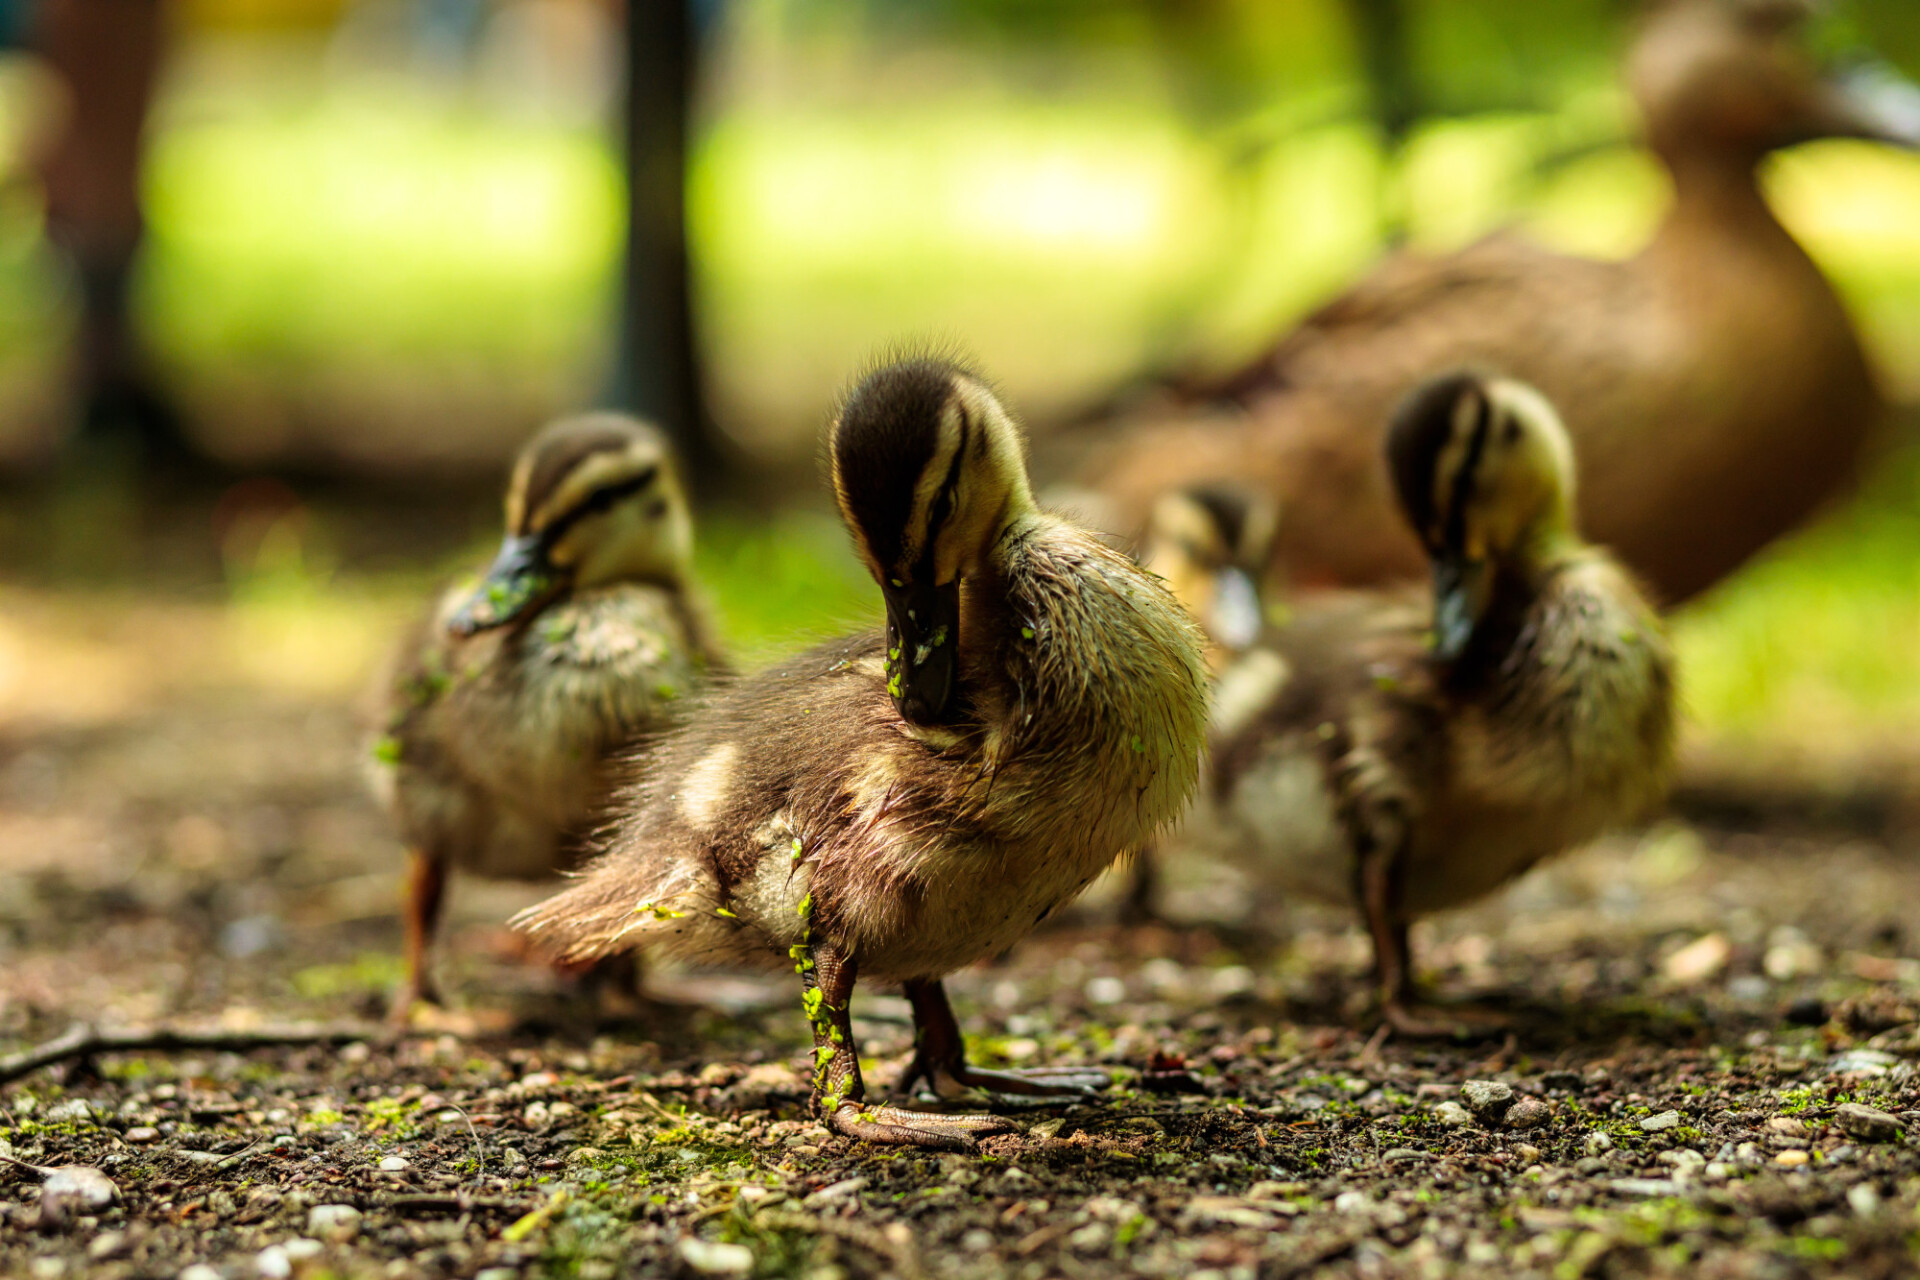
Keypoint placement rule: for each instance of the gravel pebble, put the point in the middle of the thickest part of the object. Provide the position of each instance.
(1528, 1113)
(1661, 1123)
(1863, 1199)
(70, 1111)
(109, 1245)
(1868, 1124)
(1650, 1188)
(1488, 1100)
(336, 1222)
(707, 1258)
(1452, 1113)
(394, 1164)
(140, 1135)
(1599, 1142)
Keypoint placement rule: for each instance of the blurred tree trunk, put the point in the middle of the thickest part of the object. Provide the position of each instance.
(658, 374)
(107, 54)
(1380, 32)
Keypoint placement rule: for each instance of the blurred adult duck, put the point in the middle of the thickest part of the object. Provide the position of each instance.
(1713, 385)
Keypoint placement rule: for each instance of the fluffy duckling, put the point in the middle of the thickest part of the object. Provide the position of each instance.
(897, 805)
(510, 699)
(1210, 543)
(1714, 387)
(1408, 755)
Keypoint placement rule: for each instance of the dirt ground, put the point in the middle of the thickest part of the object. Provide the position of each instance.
(1699, 1017)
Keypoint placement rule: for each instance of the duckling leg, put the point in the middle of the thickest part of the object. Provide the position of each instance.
(940, 1058)
(1143, 890)
(1393, 955)
(426, 894)
(838, 1091)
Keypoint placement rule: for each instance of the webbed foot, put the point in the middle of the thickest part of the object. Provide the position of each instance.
(1042, 1085)
(898, 1127)
(940, 1062)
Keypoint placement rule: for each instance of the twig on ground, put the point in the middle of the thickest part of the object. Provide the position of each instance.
(84, 1040)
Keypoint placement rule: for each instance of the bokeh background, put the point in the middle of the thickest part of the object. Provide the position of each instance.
(383, 242)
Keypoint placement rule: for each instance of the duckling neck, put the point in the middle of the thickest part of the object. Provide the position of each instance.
(1549, 546)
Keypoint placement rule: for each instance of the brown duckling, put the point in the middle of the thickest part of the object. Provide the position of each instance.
(1714, 388)
(1410, 754)
(897, 805)
(512, 696)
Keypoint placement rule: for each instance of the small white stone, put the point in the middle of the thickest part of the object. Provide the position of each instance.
(1662, 1122)
(394, 1164)
(1599, 1143)
(336, 1222)
(1106, 990)
(708, 1258)
(70, 1111)
(198, 1271)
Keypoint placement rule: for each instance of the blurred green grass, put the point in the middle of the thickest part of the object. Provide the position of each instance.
(1816, 645)
(369, 240)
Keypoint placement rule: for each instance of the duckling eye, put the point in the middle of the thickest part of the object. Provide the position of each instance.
(940, 512)
(1512, 433)
(604, 499)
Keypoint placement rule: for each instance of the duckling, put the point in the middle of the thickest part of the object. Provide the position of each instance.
(1210, 543)
(1409, 754)
(583, 637)
(899, 804)
(1715, 390)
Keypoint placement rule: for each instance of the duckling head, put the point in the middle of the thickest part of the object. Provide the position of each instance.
(1732, 78)
(1484, 472)
(593, 499)
(930, 473)
(1211, 543)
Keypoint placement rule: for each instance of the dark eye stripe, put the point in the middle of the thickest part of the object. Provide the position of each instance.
(1455, 532)
(942, 509)
(601, 500)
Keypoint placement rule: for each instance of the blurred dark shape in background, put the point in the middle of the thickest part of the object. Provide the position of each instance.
(106, 55)
(657, 371)
(387, 236)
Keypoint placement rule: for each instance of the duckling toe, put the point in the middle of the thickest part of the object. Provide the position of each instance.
(898, 1127)
(1035, 1086)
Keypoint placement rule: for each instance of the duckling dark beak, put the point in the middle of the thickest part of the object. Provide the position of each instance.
(519, 579)
(1461, 590)
(1871, 101)
(923, 644)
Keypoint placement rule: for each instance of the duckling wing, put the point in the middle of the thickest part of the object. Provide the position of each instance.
(717, 834)
(1317, 732)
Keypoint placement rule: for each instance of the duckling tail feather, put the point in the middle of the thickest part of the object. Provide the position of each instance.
(605, 912)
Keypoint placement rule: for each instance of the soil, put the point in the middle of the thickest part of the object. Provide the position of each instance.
(1696, 1016)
